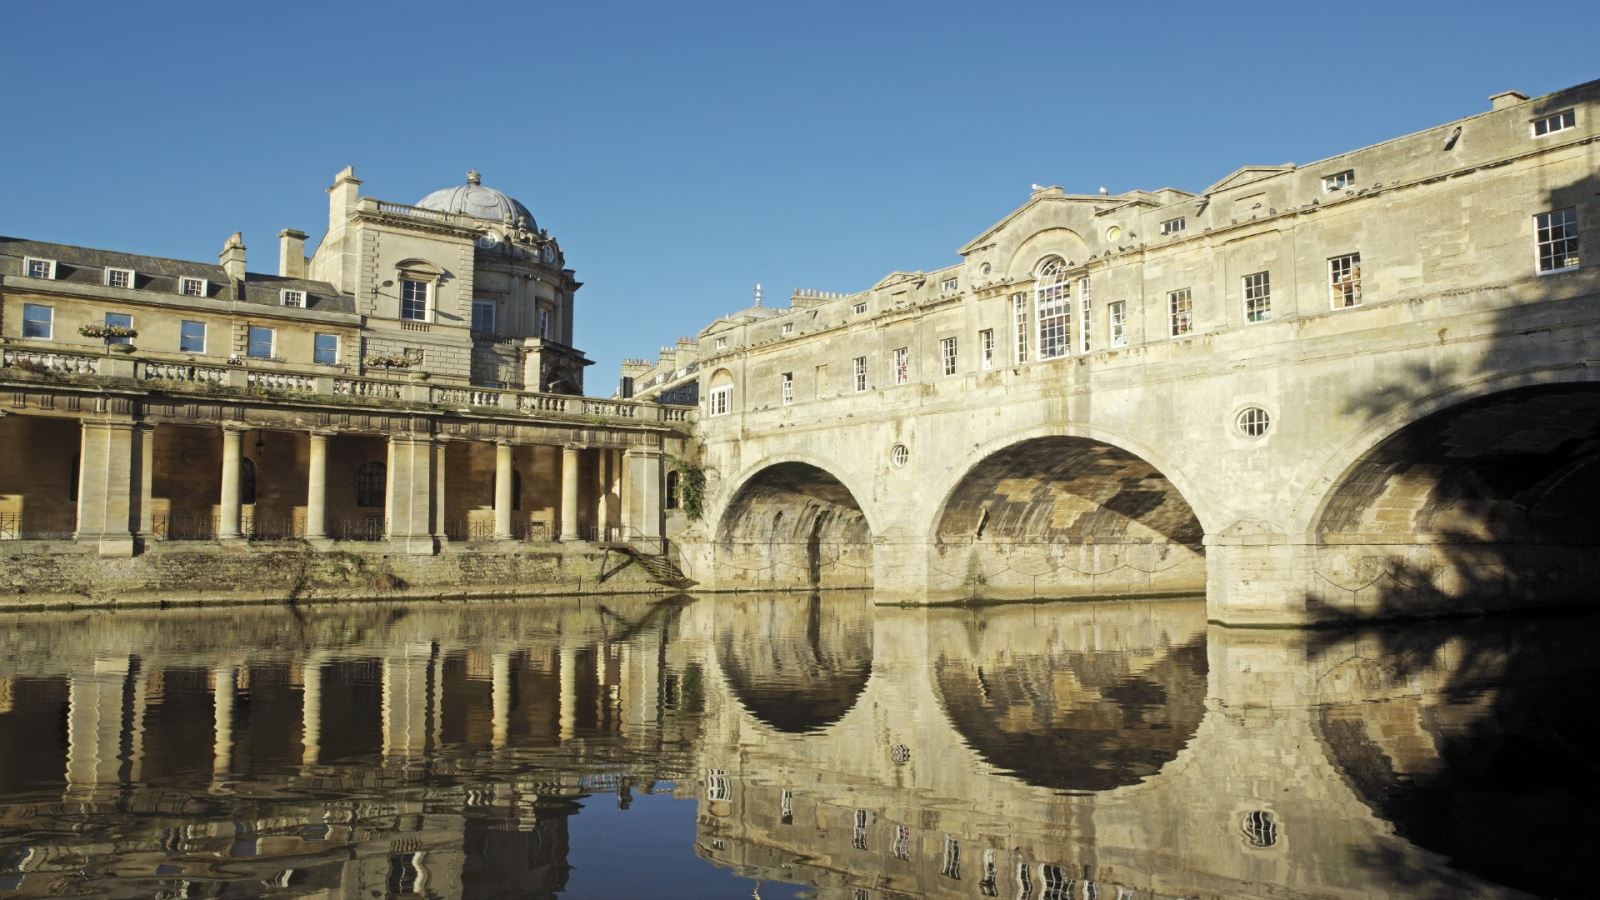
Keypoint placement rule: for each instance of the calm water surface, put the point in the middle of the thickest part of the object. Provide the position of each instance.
(783, 746)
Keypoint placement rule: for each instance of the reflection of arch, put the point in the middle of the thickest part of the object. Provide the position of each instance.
(1078, 720)
(1521, 463)
(797, 686)
(1340, 464)
(371, 484)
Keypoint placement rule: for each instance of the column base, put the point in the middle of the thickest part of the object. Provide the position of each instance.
(109, 546)
(319, 541)
(414, 545)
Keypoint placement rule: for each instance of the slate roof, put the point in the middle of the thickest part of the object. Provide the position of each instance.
(86, 266)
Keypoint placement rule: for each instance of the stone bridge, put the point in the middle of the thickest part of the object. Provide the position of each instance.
(1408, 426)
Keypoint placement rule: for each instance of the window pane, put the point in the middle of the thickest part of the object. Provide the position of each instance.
(327, 349)
(413, 300)
(36, 320)
(260, 345)
(192, 337)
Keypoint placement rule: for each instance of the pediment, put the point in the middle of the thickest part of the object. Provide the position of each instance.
(894, 278)
(1247, 175)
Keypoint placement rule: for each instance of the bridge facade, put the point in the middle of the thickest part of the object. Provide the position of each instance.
(1359, 388)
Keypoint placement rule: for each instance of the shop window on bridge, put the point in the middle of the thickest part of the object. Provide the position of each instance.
(672, 490)
(371, 484)
(860, 364)
(1053, 308)
(1085, 315)
(1019, 321)
(1257, 297)
(1180, 313)
(902, 365)
(1344, 280)
(986, 349)
(1556, 235)
(1117, 318)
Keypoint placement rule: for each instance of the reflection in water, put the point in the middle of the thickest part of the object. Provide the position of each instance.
(817, 745)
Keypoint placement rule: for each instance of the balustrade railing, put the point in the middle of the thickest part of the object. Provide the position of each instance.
(282, 381)
(49, 361)
(368, 388)
(155, 371)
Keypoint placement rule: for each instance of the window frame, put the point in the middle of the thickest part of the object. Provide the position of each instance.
(316, 348)
(49, 320)
(719, 400)
(1564, 119)
(28, 263)
(986, 349)
(485, 303)
(111, 271)
(859, 366)
(1085, 316)
(900, 365)
(1052, 291)
(1569, 216)
(786, 388)
(406, 281)
(1255, 293)
(949, 355)
(1174, 226)
(203, 287)
(1349, 286)
(1180, 323)
(1117, 322)
(116, 320)
(950, 285)
(1019, 327)
(860, 309)
(1339, 181)
(786, 329)
(299, 297)
(182, 327)
(250, 342)
(544, 323)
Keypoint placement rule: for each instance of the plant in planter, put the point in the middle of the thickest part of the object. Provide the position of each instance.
(118, 333)
(387, 362)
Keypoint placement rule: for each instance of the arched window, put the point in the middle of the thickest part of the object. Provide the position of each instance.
(672, 490)
(719, 401)
(1052, 298)
(247, 480)
(371, 484)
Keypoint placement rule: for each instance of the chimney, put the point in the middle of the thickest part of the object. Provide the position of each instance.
(342, 196)
(292, 253)
(1506, 98)
(231, 259)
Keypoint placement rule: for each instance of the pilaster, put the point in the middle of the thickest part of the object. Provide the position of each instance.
(109, 485)
(410, 507)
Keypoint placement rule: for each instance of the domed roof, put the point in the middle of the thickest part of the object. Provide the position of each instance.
(476, 200)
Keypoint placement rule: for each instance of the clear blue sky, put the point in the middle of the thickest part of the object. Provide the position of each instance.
(683, 151)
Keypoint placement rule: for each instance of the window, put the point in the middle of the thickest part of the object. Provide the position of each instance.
(899, 454)
(1556, 240)
(325, 349)
(371, 484)
(1019, 319)
(1338, 181)
(1053, 307)
(860, 309)
(1253, 421)
(192, 287)
(1173, 226)
(860, 364)
(1085, 315)
(119, 278)
(39, 268)
(37, 321)
(673, 480)
(191, 336)
(118, 320)
(414, 300)
(947, 354)
(902, 366)
(787, 329)
(483, 316)
(986, 348)
(720, 400)
(722, 343)
(1554, 122)
(1180, 313)
(1257, 297)
(1344, 280)
(950, 285)
(544, 323)
(296, 299)
(787, 385)
(259, 343)
(1117, 316)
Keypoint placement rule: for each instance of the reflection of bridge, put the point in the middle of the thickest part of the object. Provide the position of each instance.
(1407, 425)
(1125, 744)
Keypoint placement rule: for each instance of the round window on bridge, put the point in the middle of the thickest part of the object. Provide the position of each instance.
(1253, 421)
(898, 454)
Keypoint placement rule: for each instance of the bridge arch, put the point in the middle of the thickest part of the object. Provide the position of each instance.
(793, 524)
(1062, 510)
(1476, 497)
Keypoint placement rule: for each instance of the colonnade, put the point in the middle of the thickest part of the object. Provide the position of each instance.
(116, 475)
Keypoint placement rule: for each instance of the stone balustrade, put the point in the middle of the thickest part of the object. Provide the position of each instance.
(277, 380)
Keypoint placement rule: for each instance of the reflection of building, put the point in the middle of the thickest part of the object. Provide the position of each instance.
(1279, 388)
(412, 381)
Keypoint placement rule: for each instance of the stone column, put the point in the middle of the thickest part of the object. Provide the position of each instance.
(500, 688)
(108, 483)
(644, 491)
(311, 709)
(144, 514)
(411, 493)
(440, 459)
(502, 490)
(317, 487)
(232, 451)
(569, 493)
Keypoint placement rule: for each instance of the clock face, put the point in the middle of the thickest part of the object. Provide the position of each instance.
(488, 240)
(549, 253)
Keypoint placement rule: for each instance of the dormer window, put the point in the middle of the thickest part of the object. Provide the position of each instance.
(1173, 226)
(1554, 122)
(35, 267)
(722, 343)
(1338, 181)
(119, 278)
(296, 299)
(192, 287)
(414, 300)
(860, 309)
(787, 329)
(950, 285)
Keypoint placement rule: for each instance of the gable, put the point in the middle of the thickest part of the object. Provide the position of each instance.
(1248, 175)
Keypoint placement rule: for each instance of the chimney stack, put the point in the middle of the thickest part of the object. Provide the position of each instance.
(1506, 98)
(292, 253)
(343, 195)
(232, 257)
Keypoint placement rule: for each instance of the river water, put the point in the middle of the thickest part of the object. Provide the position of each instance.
(791, 746)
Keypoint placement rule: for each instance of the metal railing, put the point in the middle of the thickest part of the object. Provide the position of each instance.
(10, 526)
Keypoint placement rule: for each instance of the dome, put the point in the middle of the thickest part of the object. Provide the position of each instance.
(476, 200)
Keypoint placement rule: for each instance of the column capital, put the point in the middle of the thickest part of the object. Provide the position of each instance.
(235, 427)
(322, 433)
